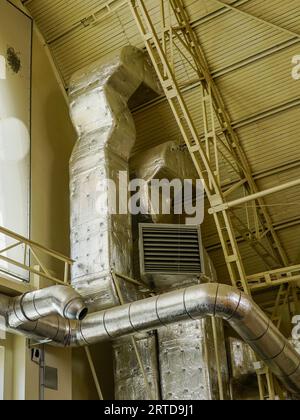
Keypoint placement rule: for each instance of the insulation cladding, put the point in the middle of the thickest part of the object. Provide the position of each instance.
(125, 369)
(101, 240)
(187, 357)
(242, 369)
(188, 361)
(242, 359)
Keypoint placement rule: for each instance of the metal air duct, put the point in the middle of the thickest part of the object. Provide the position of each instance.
(56, 300)
(172, 257)
(101, 235)
(192, 303)
(101, 239)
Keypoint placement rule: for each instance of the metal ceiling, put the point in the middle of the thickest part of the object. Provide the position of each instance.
(250, 60)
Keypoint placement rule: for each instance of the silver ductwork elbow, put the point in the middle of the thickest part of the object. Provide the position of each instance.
(194, 303)
(60, 300)
(101, 238)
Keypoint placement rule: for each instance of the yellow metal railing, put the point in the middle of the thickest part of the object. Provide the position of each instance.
(282, 276)
(34, 251)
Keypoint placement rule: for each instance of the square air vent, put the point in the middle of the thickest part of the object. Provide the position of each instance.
(170, 249)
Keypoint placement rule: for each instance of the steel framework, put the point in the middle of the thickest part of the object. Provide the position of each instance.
(219, 143)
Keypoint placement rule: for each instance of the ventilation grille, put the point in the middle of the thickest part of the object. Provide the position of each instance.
(170, 249)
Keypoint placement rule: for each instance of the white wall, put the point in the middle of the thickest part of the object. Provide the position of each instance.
(14, 128)
(51, 145)
(52, 142)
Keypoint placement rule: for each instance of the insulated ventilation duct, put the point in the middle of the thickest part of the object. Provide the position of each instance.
(57, 301)
(191, 303)
(101, 235)
(172, 256)
(101, 238)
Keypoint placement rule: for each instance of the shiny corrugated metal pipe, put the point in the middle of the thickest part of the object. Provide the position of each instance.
(192, 303)
(61, 300)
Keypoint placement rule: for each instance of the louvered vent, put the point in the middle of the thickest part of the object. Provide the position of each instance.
(170, 249)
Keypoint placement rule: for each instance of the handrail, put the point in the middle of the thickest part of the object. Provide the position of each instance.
(49, 251)
(286, 275)
(35, 248)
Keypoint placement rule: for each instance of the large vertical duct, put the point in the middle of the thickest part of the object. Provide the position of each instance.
(187, 358)
(100, 240)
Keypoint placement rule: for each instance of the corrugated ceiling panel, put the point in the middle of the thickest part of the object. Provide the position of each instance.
(276, 12)
(284, 205)
(271, 142)
(55, 17)
(86, 45)
(201, 8)
(259, 86)
(290, 238)
(155, 126)
(228, 39)
(252, 263)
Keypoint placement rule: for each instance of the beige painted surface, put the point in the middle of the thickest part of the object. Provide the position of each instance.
(60, 359)
(83, 388)
(19, 367)
(32, 379)
(52, 142)
(8, 371)
(14, 372)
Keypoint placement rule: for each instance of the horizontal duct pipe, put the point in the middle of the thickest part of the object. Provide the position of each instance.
(192, 303)
(56, 300)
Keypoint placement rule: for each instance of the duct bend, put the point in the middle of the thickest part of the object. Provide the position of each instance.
(194, 303)
(191, 303)
(61, 300)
